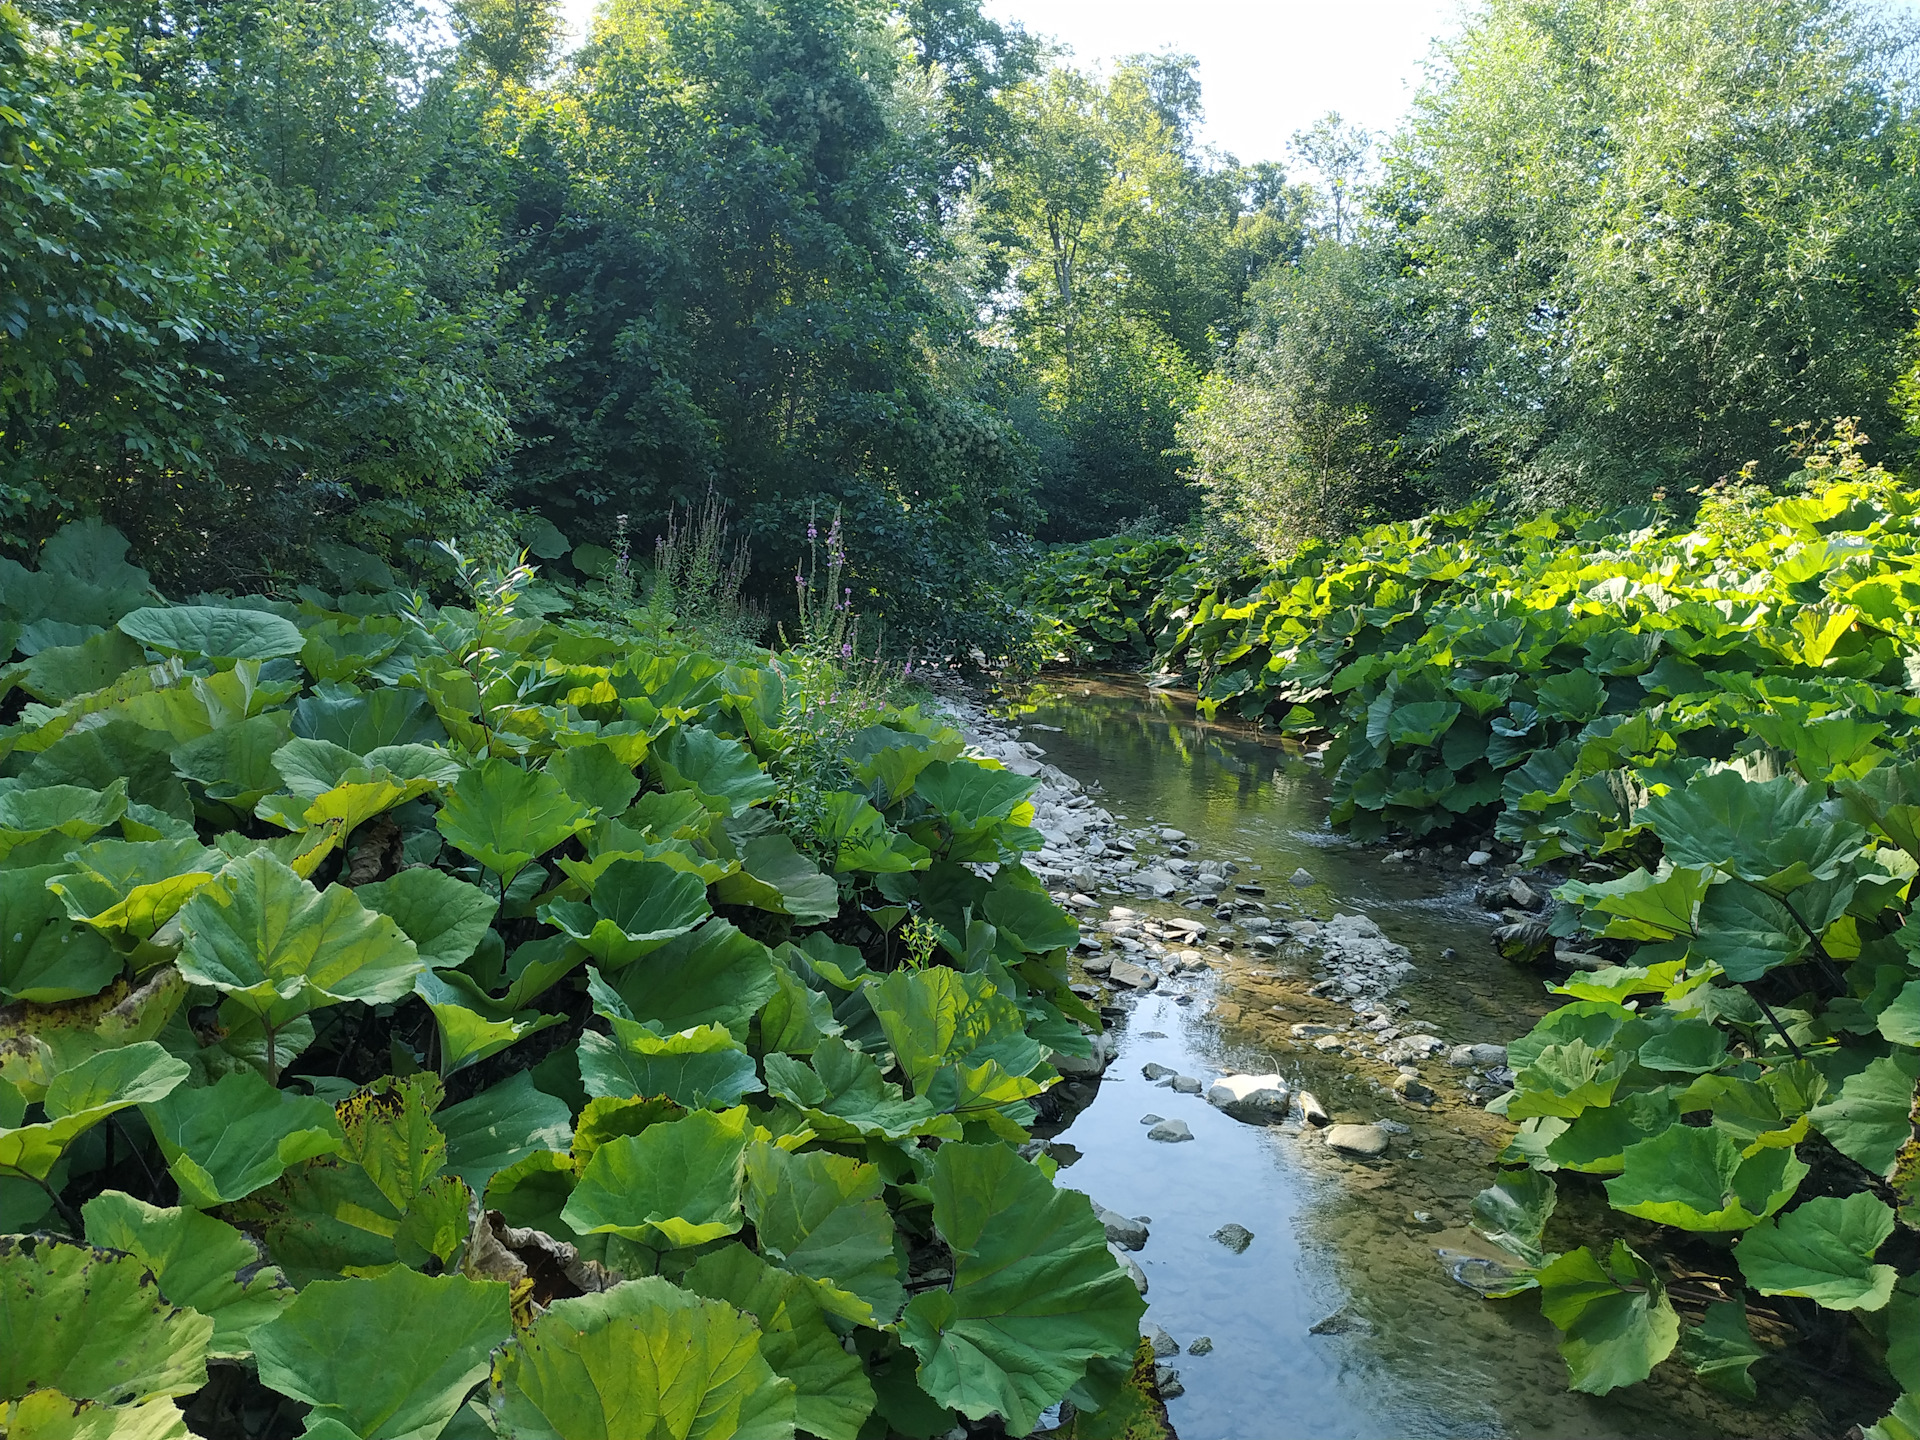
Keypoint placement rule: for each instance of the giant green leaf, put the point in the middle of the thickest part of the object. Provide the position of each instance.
(200, 1262)
(501, 1126)
(714, 976)
(1641, 905)
(335, 1348)
(1029, 919)
(1697, 1178)
(718, 768)
(229, 1139)
(1869, 1120)
(1769, 832)
(1900, 1021)
(279, 948)
(638, 905)
(1748, 932)
(1565, 1079)
(1513, 1213)
(70, 813)
(49, 1415)
(822, 1215)
(81, 1096)
(214, 631)
(467, 1034)
(1036, 1294)
(700, 1068)
(938, 1018)
(1597, 1140)
(676, 1183)
(844, 1096)
(644, 1359)
(235, 762)
(861, 839)
(832, 1396)
(1721, 1348)
(128, 889)
(1823, 1250)
(595, 776)
(503, 816)
(969, 795)
(444, 917)
(44, 957)
(774, 876)
(92, 1325)
(1690, 1047)
(1616, 1323)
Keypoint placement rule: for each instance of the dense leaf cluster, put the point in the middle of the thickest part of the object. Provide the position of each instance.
(1717, 720)
(423, 1019)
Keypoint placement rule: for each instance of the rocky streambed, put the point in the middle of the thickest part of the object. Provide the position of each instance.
(1283, 1127)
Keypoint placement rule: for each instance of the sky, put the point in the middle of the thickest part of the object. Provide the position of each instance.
(1267, 67)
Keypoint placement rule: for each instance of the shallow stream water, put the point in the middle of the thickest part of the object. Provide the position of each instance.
(1339, 1319)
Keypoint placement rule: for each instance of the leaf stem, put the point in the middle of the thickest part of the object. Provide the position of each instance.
(1767, 1010)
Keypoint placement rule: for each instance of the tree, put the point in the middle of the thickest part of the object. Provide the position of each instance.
(1678, 225)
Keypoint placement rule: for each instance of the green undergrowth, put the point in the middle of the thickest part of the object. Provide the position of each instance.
(430, 1019)
(1715, 725)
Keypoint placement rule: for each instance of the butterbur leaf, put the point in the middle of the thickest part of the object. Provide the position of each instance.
(832, 1396)
(699, 1068)
(389, 1133)
(861, 839)
(675, 1184)
(500, 1127)
(644, 1359)
(1869, 1120)
(1747, 932)
(719, 769)
(1823, 1250)
(128, 889)
(638, 906)
(715, 975)
(1564, 1080)
(504, 816)
(1722, 1350)
(776, 877)
(1900, 1423)
(822, 1216)
(229, 1139)
(93, 1325)
(49, 1415)
(1616, 1322)
(280, 948)
(80, 1097)
(215, 631)
(44, 957)
(200, 1262)
(939, 1018)
(1036, 1294)
(466, 1035)
(844, 1097)
(444, 917)
(1513, 1213)
(1641, 905)
(1690, 1047)
(594, 775)
(1696, 1178)
(1768, 832)
(334, 1348)
(70, 812)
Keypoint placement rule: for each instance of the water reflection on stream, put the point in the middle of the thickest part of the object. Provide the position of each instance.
(1400, 1350)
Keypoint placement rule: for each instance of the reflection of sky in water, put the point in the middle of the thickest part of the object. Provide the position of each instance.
(1420, 1356)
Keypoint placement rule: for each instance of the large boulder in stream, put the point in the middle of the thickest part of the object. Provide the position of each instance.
(1367, 1141)
(1251, 1097)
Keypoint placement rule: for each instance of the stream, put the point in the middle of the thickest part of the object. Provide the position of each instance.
(1339, 1319)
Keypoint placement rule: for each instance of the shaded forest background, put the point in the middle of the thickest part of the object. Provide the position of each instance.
(278, 273)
